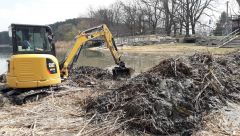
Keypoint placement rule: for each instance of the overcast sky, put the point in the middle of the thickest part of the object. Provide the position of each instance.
(50, 11)
(44, 11)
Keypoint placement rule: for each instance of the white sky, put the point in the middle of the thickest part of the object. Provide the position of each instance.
(44, 11)
(51, 11)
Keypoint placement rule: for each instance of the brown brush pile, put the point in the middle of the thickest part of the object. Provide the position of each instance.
(89, 76)
(172, 97)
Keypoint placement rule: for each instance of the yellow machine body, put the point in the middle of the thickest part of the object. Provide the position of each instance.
(33, 70)
(33, 63)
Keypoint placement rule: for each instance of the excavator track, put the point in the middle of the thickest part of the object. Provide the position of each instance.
(21, 96)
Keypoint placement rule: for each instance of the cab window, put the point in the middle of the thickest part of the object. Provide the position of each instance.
(32, 39)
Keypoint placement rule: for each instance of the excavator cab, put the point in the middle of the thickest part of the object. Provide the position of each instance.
(33, 63)
(31, 39)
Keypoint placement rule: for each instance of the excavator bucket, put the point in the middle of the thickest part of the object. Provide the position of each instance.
(121, 71)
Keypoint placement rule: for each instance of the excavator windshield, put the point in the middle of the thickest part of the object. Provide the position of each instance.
(31, 39)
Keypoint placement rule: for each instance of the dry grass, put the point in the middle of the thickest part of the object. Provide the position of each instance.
(173, 48)
(57, 114)
(61, 114)
(177, 49)
(224, 122)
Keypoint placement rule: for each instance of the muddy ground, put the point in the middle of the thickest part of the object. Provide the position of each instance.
(195, 95)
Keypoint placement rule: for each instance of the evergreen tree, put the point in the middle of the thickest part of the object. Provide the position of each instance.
(220, 26)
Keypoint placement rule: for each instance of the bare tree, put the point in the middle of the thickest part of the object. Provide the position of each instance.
(197, 8)
(190, 12)
(130, 16)
(171, 16)
(144, 16)
(116, 11)
(153, 12)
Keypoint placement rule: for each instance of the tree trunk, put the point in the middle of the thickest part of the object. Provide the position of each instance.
(174, 29)
(181, 28)
(154, 26)
(168, 31)
(167, 24)
(193, 28)
(167, 18)
(187, 30)
(187, 19)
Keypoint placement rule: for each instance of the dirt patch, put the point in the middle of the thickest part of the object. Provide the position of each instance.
(172, 97)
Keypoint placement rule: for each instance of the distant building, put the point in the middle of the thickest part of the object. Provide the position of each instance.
(235, 22)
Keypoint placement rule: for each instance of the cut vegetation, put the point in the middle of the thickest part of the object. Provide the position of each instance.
(174, 97)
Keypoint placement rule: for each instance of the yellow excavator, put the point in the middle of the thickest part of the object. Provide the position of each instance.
(34, 63)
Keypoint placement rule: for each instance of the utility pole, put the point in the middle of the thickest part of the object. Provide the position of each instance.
(227, 23)
(227, 7)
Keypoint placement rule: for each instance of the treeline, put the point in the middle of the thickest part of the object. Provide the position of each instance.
(136, 17)
(170, 17)
(221, 25)
(139, 17)
(4, 38)
(67, 30)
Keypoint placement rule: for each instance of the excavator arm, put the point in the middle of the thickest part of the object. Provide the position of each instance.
(87, 35)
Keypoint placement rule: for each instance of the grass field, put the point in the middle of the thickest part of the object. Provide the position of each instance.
(178, 49)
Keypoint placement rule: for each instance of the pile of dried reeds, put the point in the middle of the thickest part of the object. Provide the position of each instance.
(172, 97)
(89, 76)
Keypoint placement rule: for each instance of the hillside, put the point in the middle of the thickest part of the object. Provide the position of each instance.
(66, 30)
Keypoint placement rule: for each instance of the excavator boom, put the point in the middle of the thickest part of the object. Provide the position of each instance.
(81, 38)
